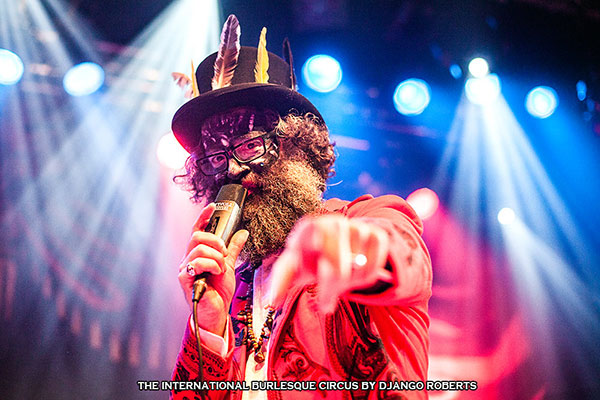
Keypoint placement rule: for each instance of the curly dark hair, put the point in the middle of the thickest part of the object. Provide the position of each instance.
(306, 133)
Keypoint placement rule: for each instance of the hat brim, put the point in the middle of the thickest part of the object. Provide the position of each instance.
(187, 121)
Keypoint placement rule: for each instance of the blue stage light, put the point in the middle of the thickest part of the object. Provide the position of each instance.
(541, 101)
(322, 73)
(478, 67)
(456, 71)
(83, 79)
(11, 67)
(412, 96)
(483, 90)
(581, 90)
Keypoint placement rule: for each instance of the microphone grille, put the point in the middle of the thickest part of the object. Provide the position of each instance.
(232, 192)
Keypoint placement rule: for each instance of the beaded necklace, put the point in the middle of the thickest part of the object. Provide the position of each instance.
(250, 340)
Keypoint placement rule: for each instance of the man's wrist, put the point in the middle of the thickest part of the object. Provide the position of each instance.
(218, 344)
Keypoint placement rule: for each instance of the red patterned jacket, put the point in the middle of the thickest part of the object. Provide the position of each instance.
(380, 334)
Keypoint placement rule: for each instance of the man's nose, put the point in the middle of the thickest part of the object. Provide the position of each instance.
(235, 170)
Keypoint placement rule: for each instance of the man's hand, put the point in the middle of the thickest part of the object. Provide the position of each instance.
(206, 252)
(337, 253)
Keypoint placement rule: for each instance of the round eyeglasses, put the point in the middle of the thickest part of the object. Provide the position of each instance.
(244, 152)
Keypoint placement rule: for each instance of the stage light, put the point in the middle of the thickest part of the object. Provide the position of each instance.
(411, 97)
(170, 153)
(490, 162)
(424, 201)
(83, 79)
(541, 101)
(322, 73)
(11, 67)
(483, 90)
(506, 216)
(581, 90)
(478, 67)
(456, 71)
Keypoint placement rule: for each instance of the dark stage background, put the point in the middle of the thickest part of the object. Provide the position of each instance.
(92, 227)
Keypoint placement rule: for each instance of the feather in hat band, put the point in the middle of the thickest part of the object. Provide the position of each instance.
(227, 60)
(237, 77)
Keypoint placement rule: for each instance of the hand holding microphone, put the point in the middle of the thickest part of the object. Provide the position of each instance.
(208, 256)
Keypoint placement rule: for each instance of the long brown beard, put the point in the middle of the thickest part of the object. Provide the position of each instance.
(286, 192)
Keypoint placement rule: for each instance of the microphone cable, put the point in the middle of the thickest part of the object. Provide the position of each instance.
(224, 223)
(198, 345)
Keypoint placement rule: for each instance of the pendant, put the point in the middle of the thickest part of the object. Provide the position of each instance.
(259, 357)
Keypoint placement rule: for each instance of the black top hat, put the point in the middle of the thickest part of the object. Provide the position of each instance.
(278, 94)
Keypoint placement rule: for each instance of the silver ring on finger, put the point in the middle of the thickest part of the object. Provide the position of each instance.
(359, 260)
(190, 270)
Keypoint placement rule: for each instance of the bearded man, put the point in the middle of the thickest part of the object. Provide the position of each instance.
(327, 294)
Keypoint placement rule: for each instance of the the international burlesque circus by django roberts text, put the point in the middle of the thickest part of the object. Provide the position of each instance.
(308, 385)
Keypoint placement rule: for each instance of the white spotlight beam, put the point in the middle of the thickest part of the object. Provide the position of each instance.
(94, 156)
(489, 164)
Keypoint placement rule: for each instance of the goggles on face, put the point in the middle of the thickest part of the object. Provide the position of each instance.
(244, 152)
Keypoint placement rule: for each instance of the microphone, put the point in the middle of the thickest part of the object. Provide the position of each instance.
(224, 223)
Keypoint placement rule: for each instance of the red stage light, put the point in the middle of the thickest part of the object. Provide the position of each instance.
(170, 153)
(424, 201)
